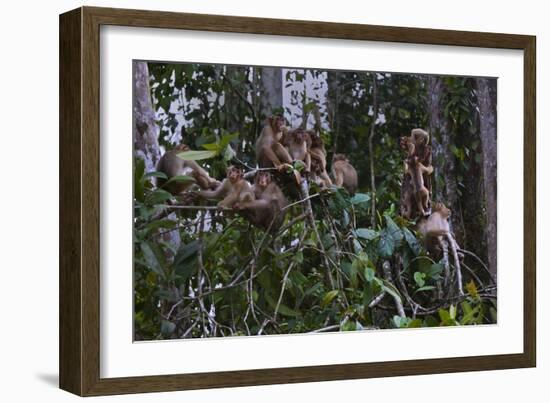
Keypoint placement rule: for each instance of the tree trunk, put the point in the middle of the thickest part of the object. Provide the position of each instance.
(486, 95)
(443, 158)
(332, 101)
(272, 90)
(146, 131)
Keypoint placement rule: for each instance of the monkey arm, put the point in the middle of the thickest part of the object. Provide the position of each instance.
(229, 200)
(267, 152)
(281, 153)
(324, 176)
(218, 193)
(197, 168)
(255, 204)
(425, 169)
(307, 161)
(338, 177)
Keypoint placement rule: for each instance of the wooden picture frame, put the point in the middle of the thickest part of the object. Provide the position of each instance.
(80, 199)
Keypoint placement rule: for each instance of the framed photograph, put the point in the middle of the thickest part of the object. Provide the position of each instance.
(249, 201)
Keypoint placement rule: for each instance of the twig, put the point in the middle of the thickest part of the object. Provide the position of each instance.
(458, 271)
(196, 208)
(377, 300)
(326, 329)
(480, 262)
(301, 201)
(282, 290)
(386, 268)
(444, 247)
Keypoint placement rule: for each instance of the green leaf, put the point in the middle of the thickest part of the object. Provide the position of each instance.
(399, 321)
(286, 311)
(414, 323)
(360, 198)
(386, 244)
(180, 178)
(444, 315)
(196, 155)
(369, 274)
(329, 296)
(155, 174)
(228, 138)
(151, 258)
(366, 233)
(412, 241)
(211, 147)
(158, 196)
(283, 309)
(419, 278)
(452, 312)
(393, 230)
(185, 262)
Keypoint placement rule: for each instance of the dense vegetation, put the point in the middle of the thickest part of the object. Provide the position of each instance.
(351, 263)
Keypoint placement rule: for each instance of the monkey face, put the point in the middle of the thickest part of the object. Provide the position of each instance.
(234, 174)
(316, 140)
(277, 122)
(442, 209)
(315, 166)
(263, 179)
(300, 136)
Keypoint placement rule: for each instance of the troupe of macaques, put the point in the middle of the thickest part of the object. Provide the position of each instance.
(277, 146)
(262, 203)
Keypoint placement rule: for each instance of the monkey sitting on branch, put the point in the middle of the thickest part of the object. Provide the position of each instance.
(297, 144)
(318, 159)
(266, 211)
(172, 165)
(344, 173)
(234, 189)
(269, 150)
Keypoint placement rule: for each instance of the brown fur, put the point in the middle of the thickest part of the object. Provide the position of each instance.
(171, 165)
(269, 150)
(344, 173)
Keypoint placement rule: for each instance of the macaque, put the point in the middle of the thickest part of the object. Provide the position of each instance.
(234, 189)
(422, 195)
(172, 165)
(297, 142)
(266, 210)
(416, 183)
(435, 229)
(269, 150)
(421, 137)
(344, 173)
(319, 158)
(407, 144)
(436, 225)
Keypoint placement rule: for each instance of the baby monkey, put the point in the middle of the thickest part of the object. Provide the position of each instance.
(234, 189)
